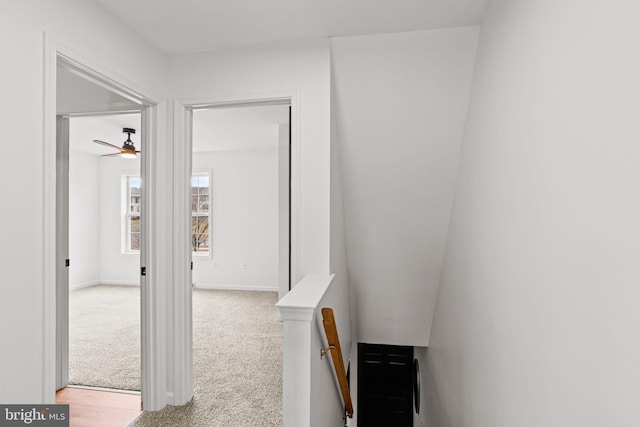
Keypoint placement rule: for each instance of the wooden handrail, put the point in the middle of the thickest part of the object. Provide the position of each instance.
(336, 354)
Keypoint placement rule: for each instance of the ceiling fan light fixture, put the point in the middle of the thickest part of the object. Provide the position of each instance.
(128, 154)
(127, 151)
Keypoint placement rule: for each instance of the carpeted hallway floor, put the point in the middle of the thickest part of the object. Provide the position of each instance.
(237, 340)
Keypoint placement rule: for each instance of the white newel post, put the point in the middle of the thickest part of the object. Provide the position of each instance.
(297, 365)
(297, 310)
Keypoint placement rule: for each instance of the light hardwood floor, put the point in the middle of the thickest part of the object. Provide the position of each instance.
(96, 408)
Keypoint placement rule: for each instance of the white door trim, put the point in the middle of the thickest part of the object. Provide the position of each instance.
(153, 258)
(153, 331)
(182, 121)
(182, 306)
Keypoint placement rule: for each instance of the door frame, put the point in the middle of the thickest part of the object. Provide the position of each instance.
(182, 161)
(152, 348)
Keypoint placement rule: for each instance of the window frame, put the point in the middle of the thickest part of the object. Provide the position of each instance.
(209, 174)
(125, 215)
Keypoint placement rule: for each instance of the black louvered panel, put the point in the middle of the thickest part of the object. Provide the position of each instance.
(385, 385)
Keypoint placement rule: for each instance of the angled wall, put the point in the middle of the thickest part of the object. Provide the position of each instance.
(400, 103)
(537, 316)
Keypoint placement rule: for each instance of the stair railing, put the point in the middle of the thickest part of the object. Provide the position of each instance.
(333, 342)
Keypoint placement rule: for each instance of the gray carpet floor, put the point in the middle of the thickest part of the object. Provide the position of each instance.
(104, 337)
(237, 340)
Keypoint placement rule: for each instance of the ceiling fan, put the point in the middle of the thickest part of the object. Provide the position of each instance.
(127, 151)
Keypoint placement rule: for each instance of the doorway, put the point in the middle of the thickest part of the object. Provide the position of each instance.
(183, 111)
(240, 197)
(75, 90)
(240, 253)
(104, 196)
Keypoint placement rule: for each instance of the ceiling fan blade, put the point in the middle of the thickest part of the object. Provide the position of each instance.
(97, 141)
(110, 155)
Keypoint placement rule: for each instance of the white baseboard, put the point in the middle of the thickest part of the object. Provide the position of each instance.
(83, 285)
(235, 287)
(119, 282)
(102, 282)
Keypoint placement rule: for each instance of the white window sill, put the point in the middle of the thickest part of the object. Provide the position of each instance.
(201, 255)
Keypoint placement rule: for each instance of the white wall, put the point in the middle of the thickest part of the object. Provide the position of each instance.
(327, 405)
(252, 72)
(426, 389)
(244, 229)
(400, 103)
(537, 317)
(116, 267)
(96, 35)
(95, 214)
(84, 219)
(341, 292)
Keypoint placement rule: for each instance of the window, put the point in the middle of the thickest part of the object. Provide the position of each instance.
(200, 214)
(200, 241)
(132, 216)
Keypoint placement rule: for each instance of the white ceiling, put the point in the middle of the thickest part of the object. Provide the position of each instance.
(76, 94)
(178, 26)
(108, 128)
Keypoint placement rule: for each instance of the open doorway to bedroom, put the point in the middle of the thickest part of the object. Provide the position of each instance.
(240, 196)
(234, 397)
(99, 237)
(104, 246)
